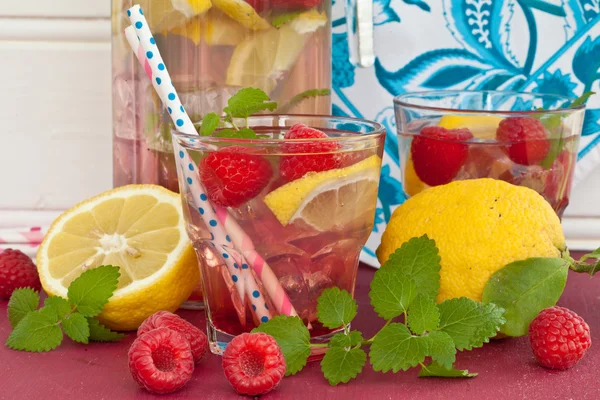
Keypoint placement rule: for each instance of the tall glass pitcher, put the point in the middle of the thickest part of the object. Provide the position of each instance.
(213, 48)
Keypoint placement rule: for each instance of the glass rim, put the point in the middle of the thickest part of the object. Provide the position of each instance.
(401, 100)
(378, 131)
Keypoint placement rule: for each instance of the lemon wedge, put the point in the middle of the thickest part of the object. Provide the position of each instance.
(214, 28)
(482, 126)
(262, 59)
(163, 15)
(138, 228)
(340, 198)
(309, 21)
(243, 13)
(411, 182)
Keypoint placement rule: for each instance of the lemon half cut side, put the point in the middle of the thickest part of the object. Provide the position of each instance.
(138, 228)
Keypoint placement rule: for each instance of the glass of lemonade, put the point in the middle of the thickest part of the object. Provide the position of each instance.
(306, 209)
(213, 48)
(527, 139)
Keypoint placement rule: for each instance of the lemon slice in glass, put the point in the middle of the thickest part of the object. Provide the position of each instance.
(481, 126)
(214, 28)
(163, 15)
(343, 198)
(243, 13)
(138, 228)
(262, 59)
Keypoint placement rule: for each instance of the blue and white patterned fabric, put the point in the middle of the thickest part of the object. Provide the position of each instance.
(549, 46)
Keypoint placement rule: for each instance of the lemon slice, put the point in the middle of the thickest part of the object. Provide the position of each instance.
(262, 59)
(411, 182)
(243, 13)
(481, 126)
(336, 199)
(138, 228)
(163, 15)
(309, 21)
(214, 28)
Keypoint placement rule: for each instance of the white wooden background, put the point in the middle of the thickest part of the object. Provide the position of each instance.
(55, 115)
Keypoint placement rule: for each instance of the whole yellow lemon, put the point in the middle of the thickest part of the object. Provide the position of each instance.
(479, 226)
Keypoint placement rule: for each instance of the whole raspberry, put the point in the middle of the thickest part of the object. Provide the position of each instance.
(232, 177)
(17, 271)
(439, 153)
(293, 167)
(197, 339)
(253, 363)
(559, 338)
(526, 138)
(161, 361)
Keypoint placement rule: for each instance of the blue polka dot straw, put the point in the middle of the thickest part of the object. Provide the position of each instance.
(144, 46)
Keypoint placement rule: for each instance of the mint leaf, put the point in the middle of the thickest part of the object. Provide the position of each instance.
(59, 305)
(100, 333)
(436, 370)
(423, 314)
(209, 124)
(299, 98)
(76, 327)
(469, 323)
(91, 291)
(293, 338)
(343, 340)
(248, 101)
(582, 99)
(391, 292)
(441, 349)
(335, 308)
(339, 365)
(21, 302)
(280, 19)
(524, 288)
(38, 331)
(244, 133)
(419, 259)
(395, 348)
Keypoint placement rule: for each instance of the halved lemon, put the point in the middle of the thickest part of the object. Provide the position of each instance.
(336, 199)
(138, 228)
(262, 59)
(243, 13)
(481, 126)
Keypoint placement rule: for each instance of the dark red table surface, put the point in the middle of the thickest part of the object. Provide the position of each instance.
(506, 368)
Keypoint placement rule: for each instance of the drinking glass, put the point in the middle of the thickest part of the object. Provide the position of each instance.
(298, 234)
(527, 139)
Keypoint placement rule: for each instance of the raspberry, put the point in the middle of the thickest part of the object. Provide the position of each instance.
(161, 361)
(559, 338)
(527, 137)
(232, 177)
(17, 271)
(164, 319)
(438, 153)
(293, 167)
(253, 363)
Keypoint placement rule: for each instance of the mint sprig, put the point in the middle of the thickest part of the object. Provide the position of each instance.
(407, 284)
(40, 330)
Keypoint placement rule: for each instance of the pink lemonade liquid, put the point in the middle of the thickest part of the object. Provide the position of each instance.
(307, 255)
(487, 159)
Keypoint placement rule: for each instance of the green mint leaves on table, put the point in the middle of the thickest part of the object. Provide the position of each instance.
(40, 330)
(526, 287)
(244, 103)
(407, 284)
